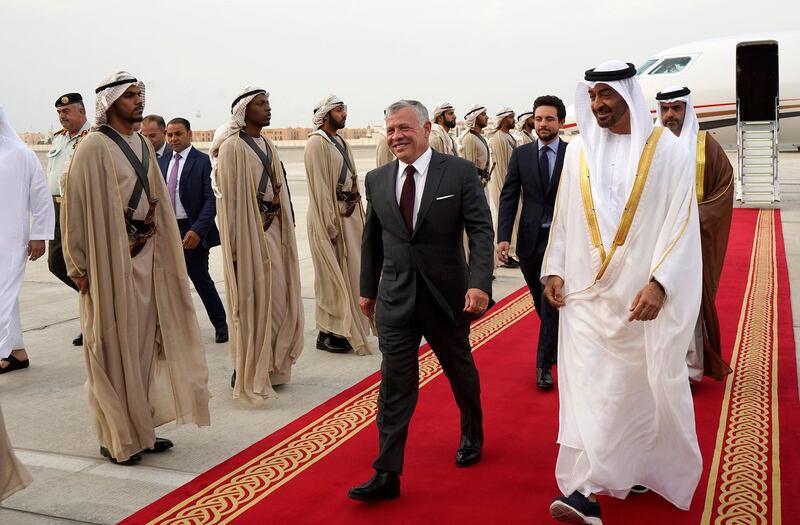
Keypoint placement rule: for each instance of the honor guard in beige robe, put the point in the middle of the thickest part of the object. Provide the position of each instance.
(525, 128)
(335, 224)
(145, 363)
(13, 475)
(474, 147)
(383, 155)
(502, 144)
(443, 119)
(714, 191)
(262, 270)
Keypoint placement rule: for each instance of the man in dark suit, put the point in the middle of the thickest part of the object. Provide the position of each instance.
(154, 129)
(188, 175)
(415, 282)
(533, 172)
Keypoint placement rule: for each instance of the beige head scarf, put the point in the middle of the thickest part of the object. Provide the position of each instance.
(521, 118)
(236, 124)
(324, 107)
(469, 119)
(109, 90)
(441, 109)
(499, 116)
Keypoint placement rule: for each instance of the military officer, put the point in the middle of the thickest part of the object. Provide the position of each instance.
(72, 116)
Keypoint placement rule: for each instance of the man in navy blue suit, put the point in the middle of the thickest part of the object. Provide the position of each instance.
(534, 171)
(187, 172)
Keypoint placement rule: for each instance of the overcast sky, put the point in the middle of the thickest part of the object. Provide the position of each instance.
(195, 56)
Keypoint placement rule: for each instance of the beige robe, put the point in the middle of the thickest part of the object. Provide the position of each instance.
(145, 362)
(502, 144)
(383, 155)
(474, 150)
(335, 243)
(13, 475)
(441, 141)
(262, 272)
(524, 137)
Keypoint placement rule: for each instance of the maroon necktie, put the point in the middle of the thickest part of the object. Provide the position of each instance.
(407, 198)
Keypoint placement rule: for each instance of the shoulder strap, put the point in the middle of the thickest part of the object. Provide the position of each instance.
(139, 167)
(346, 165)
(266, 160)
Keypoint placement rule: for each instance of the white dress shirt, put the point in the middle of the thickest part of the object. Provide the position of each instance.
(180, 213)
(160, 151)
(421, 167)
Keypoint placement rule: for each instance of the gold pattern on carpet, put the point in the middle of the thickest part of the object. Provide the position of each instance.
(236, 492)
(744, 481)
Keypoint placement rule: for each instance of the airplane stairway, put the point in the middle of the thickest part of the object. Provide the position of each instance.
(757, 180)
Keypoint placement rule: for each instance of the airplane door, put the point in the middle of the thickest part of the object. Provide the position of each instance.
(757, 80)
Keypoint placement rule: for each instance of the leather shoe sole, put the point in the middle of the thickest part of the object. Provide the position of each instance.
(373, 498)
(134, 459)
(160, 445)
(332, 349)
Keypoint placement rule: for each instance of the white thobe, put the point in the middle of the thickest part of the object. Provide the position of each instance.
(626, 415)
(26, 213)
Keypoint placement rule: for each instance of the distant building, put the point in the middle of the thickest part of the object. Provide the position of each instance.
(32, 138)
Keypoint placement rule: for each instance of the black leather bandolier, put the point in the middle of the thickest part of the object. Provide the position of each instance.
(138, 231)
(484, 173)
(349, 198)
(268, 209)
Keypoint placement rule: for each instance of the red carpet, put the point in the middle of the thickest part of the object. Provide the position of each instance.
(746, 427)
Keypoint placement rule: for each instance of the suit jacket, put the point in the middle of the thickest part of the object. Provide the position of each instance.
(392, 258)
(196, 194)
(538, 201)
(167, 152)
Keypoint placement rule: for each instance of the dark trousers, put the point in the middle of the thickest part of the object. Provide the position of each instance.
(547, 348)
(55, 257)
(400, 376)
(197, 268)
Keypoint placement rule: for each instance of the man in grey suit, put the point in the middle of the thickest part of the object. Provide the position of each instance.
(415, 282)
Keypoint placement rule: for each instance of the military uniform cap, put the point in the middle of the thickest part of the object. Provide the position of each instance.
(69, 98)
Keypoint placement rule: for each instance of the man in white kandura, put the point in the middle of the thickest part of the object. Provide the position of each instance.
(628, 289)
(26, 221)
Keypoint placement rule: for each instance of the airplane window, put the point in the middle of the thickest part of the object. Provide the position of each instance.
(644, 67)
(671, 66)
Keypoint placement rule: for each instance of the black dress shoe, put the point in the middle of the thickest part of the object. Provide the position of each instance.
(511, 263)
(159, 446)
(382, 486)
(221, 335)
(544, 379)
(233, 379)
(78, 341)
(469, 452)
(576, 509)
(333, 344)
(134, 459)
(639, 489)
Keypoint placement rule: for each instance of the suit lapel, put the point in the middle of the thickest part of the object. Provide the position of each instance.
(391, 192)
(432, 181)
(187, 169)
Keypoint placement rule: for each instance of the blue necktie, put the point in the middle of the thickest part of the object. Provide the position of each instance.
(544, 166)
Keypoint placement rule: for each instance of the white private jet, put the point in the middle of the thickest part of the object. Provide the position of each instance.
(746, 92)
